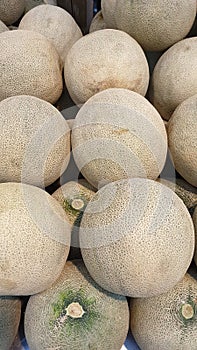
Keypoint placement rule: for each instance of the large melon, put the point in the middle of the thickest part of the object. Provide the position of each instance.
(30, 4)
(97, 22)
(118, 134)
(3, 27)
(40, 138)
(34, 239)
(182, 139)
(10, 313)
(136, 238)
(29, 65)
(55, 24)
(104, 59)
(75, 313)
(11, 10)
(168, 321)
(174, 78)
(156, 25)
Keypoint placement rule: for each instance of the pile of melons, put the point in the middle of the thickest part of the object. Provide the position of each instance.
(98, 176)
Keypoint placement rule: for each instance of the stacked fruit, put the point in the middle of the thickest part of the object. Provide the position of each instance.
(124, 227)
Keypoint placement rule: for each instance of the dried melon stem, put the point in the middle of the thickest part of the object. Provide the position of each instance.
(187, 311)
(77, 204)
(75, 310)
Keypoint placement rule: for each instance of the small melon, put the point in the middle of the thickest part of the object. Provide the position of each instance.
(29, 65)
(182, 139)
(75, 313)
(103, 59)
(168, 321)
(174, 77)
(10, 313)
(195, 225)
(35, 141)
(30, 4)
(55, 24)
(3, 27)
(97, 23)
(11, 10)
(118, 134)
(73, 197)
(34, 239)
(155, 25)
(183, 189)
(136, 238)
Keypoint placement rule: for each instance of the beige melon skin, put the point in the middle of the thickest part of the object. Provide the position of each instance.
(73, 197)
(136, 238)
(11, 10)
(3, 27)
(158, 323)
(55, 24)
(105, 59)
(10, 313)
(195, 225)
(29, 4)
(29, 65)
(183, 189)
(174, 77)
(34, 239)
(182, 139)
(97, 23)
(104, 325)
(155, 25)
(118, 134)
(35, 141)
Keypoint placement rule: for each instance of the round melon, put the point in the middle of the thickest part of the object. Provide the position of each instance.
(97, 23)
(174, 77)
(11, 10)
(168, 321)
(55, 24)
(75, 313)
(35, 141)
(182, 139)
(118, 134)
(10, 313)
(29, 65)
(183, 189)
(3, 27)
(136, 238)
(104, 59)
(73, 197)
(34, 239)
(30, 4)
(155, 25)
(195, 224)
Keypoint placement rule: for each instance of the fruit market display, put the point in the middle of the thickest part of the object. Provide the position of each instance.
(98, 176)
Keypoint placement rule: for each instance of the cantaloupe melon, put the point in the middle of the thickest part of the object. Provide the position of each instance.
(34, 239)
(155, 25)
(182, 139)
(75, 313)
(11, 10)
(3, 27)
(29, 65)
(168, 321)
(183, 189)
(30, 4)
(73, 198)
(55, 24)
(174, 78)
(10, 313)
(104, 59)
(97, 23)
(195, 225)
(118, 134)
(35, 141)
(136, 238)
